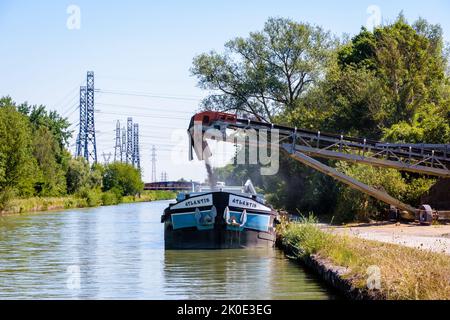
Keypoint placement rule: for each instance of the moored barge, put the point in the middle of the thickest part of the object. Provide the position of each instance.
(219, 218)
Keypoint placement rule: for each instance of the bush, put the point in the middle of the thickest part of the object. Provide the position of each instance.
(110, 198)
(77, 175)
(5, 199)
(123, 177)
(93, 196)
(305, 235)
(355, 205)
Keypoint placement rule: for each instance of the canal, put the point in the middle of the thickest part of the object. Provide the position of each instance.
(118, 253)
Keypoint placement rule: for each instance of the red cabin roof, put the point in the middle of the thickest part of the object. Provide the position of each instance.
(207, 117)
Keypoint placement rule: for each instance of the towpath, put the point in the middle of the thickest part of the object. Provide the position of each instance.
(435, 238)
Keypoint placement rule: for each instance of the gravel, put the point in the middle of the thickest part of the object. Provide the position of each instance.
(433, 238)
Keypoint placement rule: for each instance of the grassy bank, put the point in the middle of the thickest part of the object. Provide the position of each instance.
(406, 273)
(84, 200)
(147, 196)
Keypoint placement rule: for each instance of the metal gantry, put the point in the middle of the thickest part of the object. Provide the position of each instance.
(90, 148)
(118, 145)
(136, 155)
(81, 139)
(302, 145)
(123, 157)
(86, 142)
(430, 159)
(106, 157)
(129, 159)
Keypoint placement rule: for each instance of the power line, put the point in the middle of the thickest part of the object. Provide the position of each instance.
(146, 108)
(140, 115)
(153, 163)
(149, 126)
(146, 94)
(73, 97)
(72, 111)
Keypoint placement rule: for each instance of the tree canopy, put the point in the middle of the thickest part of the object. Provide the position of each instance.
(267, 72)
(122, 177)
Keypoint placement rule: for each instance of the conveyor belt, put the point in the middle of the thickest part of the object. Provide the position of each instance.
(302, 145)
(430, 159)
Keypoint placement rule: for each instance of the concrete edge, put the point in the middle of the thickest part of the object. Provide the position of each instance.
(332, 275)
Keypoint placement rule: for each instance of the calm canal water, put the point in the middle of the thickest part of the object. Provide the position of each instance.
(118, 253)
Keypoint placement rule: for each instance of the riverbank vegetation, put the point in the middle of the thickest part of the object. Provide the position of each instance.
(389, 84)
(38, 173)
(406, 273)
(95, 199)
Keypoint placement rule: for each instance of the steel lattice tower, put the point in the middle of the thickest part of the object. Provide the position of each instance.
(90, 151)
(130, 141)
(153, 164)
(81, 139)
(123, 157)
(118, 146)
(106, 157)
(136, 156)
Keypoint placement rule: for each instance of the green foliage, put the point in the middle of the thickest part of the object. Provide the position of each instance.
(431, 123)
(17, 164)
(407, 66)
(78, 175)
(305, 236)
(123, 177)
(353, 204)
(96, 176)
(39, 117)
(111, 197)
(359, 51)
(389, 84)
(399, 264)
(93, 196)
(33, 159)
(51, 179)
(34, 162)
(267, 72)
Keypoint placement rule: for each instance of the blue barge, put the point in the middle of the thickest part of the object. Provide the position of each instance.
(220, 218)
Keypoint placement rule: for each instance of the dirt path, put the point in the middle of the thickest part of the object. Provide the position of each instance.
(435, 238)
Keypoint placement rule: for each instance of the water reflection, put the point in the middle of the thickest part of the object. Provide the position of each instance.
(120, 254)
(237, 274)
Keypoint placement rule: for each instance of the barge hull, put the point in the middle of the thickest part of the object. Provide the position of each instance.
(217, 239)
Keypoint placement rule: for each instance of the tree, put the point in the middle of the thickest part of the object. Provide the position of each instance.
(408, 62)
(123, 177)
(267, 72)
(40, 117)
(51, 180)
(17, 164)
(77, 175)
(430, 123)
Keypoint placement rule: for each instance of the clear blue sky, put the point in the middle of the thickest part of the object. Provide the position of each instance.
(148, 46)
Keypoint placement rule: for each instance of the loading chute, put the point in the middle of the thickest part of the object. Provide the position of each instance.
(305, 145)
